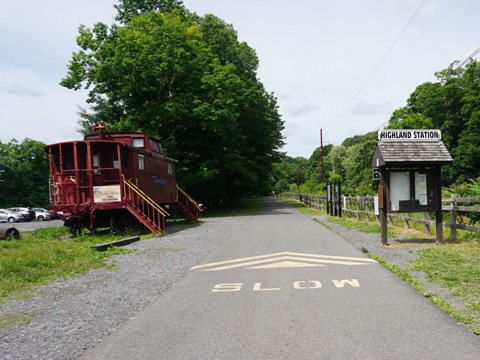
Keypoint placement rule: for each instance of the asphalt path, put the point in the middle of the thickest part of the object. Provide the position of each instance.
(32, 225)
(286, 287)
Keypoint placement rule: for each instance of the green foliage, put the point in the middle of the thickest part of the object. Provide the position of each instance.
(41, 256)
(412, 121)
(348, 164)
(128, 9)
(471, 188)
(312, 187)
(357, 165)
(189, 81)
(455, 267)
(372, 227)
(46, 254)
(25, 176)
(301, 207)
(451, 104)
(241, 207)
(468, 189)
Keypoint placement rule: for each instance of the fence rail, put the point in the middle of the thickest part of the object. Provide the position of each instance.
(364, 206)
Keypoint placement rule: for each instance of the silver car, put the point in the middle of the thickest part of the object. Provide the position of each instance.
(10, 216)
(41, 214)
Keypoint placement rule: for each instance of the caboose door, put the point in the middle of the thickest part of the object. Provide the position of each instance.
(68, 190)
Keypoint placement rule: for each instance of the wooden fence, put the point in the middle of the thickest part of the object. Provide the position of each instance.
(364, 207)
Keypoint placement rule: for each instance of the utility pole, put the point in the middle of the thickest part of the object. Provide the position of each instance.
(297, 175)
(299, 172)
(321, 156)
(1, 169)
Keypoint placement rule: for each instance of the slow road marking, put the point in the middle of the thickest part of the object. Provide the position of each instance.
(297, 285)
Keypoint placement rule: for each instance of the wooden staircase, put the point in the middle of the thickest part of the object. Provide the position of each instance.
(187, 205)
(144, 208)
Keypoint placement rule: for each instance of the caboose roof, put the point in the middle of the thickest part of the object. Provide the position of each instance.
(404, 153)
(116, 136)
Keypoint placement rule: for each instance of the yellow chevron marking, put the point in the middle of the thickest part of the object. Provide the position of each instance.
(283, 259)
(285, 264)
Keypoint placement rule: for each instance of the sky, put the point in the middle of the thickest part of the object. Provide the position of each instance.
(341, 67)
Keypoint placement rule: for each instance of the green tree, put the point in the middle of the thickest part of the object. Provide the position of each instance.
(336, 158)
(466, 155)
(451, 105)
(357, 164)
(187, 80)
(128, 9)
(284, 174)
(25, 176)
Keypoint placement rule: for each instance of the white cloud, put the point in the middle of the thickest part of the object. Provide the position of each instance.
(365, 108)
(20, 89)
(293, 107)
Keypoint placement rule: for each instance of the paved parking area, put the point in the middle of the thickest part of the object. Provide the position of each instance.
(29, 226)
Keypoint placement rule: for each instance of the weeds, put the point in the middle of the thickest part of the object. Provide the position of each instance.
(241, 208)
(47, 254)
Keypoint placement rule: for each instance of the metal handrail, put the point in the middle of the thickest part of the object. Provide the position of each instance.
(143, 196)
(199, 208)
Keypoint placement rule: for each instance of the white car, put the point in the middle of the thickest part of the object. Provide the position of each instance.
(41, 214)
(10, 216)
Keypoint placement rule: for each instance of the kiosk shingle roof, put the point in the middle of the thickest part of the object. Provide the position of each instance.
(410, 153)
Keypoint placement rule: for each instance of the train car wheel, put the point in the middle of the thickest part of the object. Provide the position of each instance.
(76, 227)
(9, 234)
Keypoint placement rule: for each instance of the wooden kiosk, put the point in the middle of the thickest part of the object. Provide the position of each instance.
(408, 165)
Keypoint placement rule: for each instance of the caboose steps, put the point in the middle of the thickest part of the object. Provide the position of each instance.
(144, 208)
(152, 215)
(189, 207)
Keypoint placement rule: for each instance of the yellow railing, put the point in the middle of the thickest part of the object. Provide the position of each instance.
(191, 205)
(144, 206)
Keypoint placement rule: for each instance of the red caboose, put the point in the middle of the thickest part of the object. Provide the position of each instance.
(115, 180)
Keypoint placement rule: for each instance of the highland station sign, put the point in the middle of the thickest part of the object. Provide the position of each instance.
(409, 135)
(408, 162)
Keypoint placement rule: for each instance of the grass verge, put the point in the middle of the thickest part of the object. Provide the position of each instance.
(242, 207)
(455, 267)
(437, 300)
(47, 254)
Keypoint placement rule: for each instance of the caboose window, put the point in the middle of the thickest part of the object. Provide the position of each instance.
(96, 163)
(170, 169)
(138, 142)
(67, 162)
(141, 162)
(124, 160)
(154, 145)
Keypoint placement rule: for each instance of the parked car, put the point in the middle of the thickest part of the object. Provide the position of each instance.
(28, 213)
(55, 214)
(10, 216)
(41, 214)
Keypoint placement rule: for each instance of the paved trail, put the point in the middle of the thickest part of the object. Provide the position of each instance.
(285, 287)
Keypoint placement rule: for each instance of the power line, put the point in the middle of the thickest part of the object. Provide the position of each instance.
(468, 59)
(472, 55)
(381, 61)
